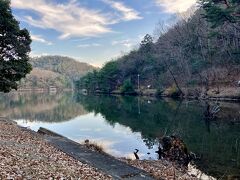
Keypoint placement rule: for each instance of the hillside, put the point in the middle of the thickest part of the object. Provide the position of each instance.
(40, 78)
(56, 71)
(62, 65)
(191, 58)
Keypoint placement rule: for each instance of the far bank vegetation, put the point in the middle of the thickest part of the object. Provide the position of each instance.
(54, 71)
(193, 57)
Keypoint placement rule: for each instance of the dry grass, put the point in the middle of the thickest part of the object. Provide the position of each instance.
(94, 146)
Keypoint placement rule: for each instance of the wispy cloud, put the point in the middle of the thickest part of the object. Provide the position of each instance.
(175, 6)
(89, 45)
(126, 42)
(80, 39)
(35, 54)
(127, 14)
(71, 19)
(40, 39)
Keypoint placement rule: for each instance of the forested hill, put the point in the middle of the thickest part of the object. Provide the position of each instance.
(63, 65)
(56, 71)
(197, 56)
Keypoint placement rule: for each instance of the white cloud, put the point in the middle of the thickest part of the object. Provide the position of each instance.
(89, 45)
(39, 38)
(80, 39)
(128, 14)
(126, 42)
(71, 19)
(34, 54)
(175, 6)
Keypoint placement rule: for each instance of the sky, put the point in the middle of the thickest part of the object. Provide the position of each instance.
(93, 31)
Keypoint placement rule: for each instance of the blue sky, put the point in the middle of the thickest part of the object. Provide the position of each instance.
(92, 31)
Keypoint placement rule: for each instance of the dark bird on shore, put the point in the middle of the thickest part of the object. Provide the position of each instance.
(160, 152)
(148, 153)
(135, 153)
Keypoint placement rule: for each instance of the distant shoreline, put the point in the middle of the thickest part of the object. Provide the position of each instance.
(225, 94)
(43, 90)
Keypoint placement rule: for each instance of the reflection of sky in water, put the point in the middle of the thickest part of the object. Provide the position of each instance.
(68, 115)
(117, 140)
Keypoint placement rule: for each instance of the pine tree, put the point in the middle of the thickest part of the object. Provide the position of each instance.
(219, 12)
(14, 49)
(146, 45)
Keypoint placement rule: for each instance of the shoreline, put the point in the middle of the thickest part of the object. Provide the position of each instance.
(24, 154)
(47, 157)
(211, 95)
(42, 90)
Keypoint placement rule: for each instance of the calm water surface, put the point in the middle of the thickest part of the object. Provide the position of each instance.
(122, 124)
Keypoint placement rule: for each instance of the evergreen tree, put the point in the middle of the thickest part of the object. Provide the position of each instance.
(219, 12)
(147, 44)
(127, 87)
(14, 49)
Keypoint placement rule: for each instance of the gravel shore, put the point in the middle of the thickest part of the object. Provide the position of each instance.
(25, 155)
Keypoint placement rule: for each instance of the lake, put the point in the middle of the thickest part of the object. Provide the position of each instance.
(122, 124)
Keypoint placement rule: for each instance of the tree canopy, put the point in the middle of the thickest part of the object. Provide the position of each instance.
(219, 12)
(14, 49)
(190, 54)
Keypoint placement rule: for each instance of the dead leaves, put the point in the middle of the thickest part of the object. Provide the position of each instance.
(162, 170)
(25, 155)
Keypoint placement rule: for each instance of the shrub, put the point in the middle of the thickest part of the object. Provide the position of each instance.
(127, 87)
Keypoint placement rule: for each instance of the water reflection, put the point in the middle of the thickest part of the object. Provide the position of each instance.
(216, 141)
(40, 107)
(123, 124)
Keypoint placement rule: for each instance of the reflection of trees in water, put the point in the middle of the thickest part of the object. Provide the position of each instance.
(168, 117)
(210, 114)
(40, 107)
(219, 148)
